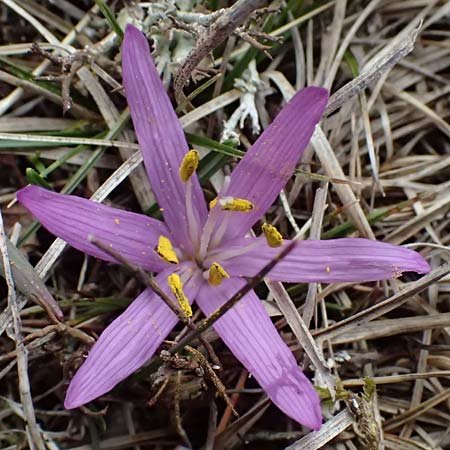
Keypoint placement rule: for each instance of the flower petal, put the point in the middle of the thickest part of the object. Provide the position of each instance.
(270, 162)
(160, 136)
(74, 218)
(333, 260)
(126, 344)
(249, 333)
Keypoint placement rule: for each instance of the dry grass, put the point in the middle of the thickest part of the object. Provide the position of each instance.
(377, 167)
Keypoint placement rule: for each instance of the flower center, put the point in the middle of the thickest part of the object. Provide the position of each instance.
(214, 232)
(208, 240)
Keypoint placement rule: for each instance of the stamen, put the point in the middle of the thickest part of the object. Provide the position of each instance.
(193, 225)
(216, 274)
(207, 232)
(232, 252)
(272, 235)
(189, 165)
(165, 250)
(210, 224)
(236, 204)
(213, 203)
(176, 286)
(220, 231)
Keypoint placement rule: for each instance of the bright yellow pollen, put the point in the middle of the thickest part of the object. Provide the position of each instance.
(213, 203)
(189, 165)
(166, 251)
(216, 274)
(272, 235)
(176, 286)
(236, 204)
(328, 269)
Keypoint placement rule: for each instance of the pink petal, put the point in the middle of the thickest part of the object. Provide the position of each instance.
(333, 260)
(249, 333)
(73, 219)
(160, 135)
(126, 344)
(271, 161)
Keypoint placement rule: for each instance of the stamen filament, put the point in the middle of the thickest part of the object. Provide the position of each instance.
(218, 235)
(207, 231)
(231, 253)
(213, 216)
(193, 225)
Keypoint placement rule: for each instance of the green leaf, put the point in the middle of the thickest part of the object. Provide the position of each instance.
(214, 145)
(210, 164)
(352, 63)
(231, 151)
(109, 16)
(33, 177)
(88, 309)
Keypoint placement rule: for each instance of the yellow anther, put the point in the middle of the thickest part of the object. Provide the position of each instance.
(328, 269)
(176, 286)
(166, 251)
(213, 203)
(216, 274)
(189, 165)
(236, 204)
(272, 235)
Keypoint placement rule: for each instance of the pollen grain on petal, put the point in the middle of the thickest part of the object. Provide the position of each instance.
(189, 165)
(236, 204)
(176, 286)
(272, 235)
(165, 250)
(216, 274)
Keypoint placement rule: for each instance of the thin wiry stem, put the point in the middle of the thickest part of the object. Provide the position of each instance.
(219, 312)
(231, 19)
(34, 435)
(149, 282)
(385, 306)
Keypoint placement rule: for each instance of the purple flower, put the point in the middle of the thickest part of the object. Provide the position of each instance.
(208, 250)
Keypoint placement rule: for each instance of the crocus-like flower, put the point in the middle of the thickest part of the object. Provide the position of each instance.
(208, 250)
